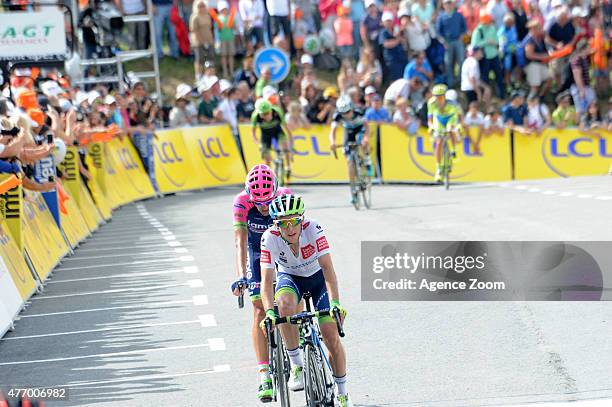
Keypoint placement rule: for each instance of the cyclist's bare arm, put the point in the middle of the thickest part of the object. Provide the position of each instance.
(366, 132)
(289, 135)
(254, 133)
(329, 274)
(332, 134)
(267, 287)
(240, 241)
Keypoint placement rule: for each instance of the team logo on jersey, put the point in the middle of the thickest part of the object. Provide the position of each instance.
(265, 257)
(305, 225)
(307, 251)
(322, 244)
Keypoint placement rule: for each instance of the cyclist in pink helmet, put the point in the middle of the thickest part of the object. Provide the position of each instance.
(251, 220)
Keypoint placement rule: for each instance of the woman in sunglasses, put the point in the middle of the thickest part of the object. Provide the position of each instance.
(251, 219)
(299, 249)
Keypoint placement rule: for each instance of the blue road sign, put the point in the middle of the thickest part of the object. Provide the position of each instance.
(274, 58)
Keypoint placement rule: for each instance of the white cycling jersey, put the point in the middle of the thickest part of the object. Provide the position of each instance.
(313, 244)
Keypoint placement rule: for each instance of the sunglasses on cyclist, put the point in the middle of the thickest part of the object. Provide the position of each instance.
(284, 223)
(263, 203)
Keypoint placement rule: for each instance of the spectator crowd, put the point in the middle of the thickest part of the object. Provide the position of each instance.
(520, 64)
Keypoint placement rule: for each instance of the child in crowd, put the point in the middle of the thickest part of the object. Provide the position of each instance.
(300, 30)
(404, 117)
(474, 118)
(538, 115)
(225, 26)
(377, 113)
(565, 114)
(202, 40)
(343, 26)
(493, 122)
(591, 120)
(296, 119)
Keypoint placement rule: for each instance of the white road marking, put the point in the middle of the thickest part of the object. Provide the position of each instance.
(181, 250)
(191, 270)
(155, 305)
(115, 354)
(116, 328)
(115, 248)
(127, 263)
(186, 258)
(215, 369)
(549, 192)
(583, 196)
(110, 256)
(565, 194)
(200, 299)
(143, 274)
(534, 190)
(216, 344)
(163, 229)
(174, 244)
(170, 237)
(197, 283)
(521, 187)
(166, 233)
(604, 198)
(207, 320)
(117, 290)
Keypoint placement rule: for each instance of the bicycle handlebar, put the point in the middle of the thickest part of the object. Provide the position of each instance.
(308, 316)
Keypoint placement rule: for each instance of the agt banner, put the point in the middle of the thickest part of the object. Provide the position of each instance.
(562, 153)
(407, 158)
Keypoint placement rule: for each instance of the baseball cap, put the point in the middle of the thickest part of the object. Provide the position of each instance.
(109, 100)
(579, 12)
(387, 16)
(369, 3)
(370, 90)
(556, 3)
(376, 97)
(51, 88)
(222, 4)
(268, 91)
(93, 96)
(306, 59)
(182, 90)
(404, 13)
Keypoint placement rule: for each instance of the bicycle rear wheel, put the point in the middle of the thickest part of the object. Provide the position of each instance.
(279, 169)
(366, 188)
(314, 377)
(281, 362)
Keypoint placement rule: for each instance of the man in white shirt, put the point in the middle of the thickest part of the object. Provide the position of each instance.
(252, 15)
(280, 16)
(471, 84)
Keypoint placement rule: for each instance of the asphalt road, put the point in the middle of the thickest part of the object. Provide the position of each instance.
(142, 314)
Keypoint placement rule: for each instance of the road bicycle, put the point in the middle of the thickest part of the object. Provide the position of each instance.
(447, 159)
(361, 185)
(318, 381)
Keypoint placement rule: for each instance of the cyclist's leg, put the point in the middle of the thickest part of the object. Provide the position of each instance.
(337, 355)
(260, 343)
(365, 151)
(287, 297)
(266, 145)
(351, 170)
(284, 146)
(438, 153)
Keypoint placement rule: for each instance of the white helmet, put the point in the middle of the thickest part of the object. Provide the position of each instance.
(452, 95)
(344, 104)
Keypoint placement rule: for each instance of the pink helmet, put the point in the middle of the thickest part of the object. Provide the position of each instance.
(261, 184)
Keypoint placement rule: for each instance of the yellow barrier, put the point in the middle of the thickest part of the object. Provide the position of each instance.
(562, 153)
(44, 242)
(11, 210)
(16, 265)
(126, 179)
(411, 158)
(214, 155)
(73, 223)
(173, 168)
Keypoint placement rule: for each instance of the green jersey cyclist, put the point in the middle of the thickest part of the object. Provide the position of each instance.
(271, 120)
(299, 249)
(442, 117)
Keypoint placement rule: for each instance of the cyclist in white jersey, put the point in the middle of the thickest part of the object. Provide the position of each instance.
(299, 249)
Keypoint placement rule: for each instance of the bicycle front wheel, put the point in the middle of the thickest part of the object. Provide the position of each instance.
(314, 379)
(281, 360)
(366, 188)
(355, 185)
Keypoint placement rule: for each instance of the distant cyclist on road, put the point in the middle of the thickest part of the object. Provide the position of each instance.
(356, 130)
(271, 120)
(251, 219)
(442, 117)
(300, 250)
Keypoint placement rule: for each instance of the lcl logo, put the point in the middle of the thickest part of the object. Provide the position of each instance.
(127, 159)
(167, 154)
(212, 148)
